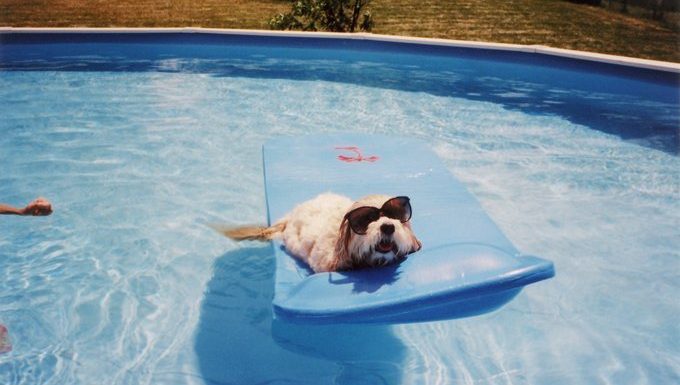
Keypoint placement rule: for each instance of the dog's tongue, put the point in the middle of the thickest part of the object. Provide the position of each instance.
(384, 246)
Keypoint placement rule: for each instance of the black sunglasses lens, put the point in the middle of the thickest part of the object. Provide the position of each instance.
(398, 208)
(360, 218)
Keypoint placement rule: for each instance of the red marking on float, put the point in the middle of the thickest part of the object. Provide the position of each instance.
(357, 157)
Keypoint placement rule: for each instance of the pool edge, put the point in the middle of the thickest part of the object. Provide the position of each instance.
(536, 49)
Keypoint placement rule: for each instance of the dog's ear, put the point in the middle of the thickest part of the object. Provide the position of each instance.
(343, 259)
(417, 245)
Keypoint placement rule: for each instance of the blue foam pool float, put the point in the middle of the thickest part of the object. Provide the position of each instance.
(466, 266)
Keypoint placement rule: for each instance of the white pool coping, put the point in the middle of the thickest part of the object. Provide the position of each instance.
(538, 49)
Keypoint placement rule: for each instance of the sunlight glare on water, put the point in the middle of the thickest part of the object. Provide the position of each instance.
(126, 282)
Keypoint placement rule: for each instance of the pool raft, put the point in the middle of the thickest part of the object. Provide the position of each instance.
(466, 266)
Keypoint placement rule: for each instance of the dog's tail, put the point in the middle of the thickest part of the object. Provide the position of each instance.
(251, 233)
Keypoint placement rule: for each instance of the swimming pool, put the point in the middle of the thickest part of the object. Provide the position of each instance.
(141, 139)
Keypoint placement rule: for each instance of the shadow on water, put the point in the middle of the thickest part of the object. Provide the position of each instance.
(238, 342)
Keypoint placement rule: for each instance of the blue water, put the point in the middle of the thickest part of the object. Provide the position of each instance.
(139, 149)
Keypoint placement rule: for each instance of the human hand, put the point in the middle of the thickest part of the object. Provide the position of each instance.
(5, 344)
(38, 207)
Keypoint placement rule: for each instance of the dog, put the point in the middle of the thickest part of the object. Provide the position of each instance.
(332, 233)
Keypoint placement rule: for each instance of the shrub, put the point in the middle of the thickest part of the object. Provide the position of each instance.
(325, 15)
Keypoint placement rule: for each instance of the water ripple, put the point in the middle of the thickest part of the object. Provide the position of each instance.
(126, 282)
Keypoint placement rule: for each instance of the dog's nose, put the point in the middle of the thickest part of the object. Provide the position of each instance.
(387, 228)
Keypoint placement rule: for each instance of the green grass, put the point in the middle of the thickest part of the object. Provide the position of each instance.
(555, 23)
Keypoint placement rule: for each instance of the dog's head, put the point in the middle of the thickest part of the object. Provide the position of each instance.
(376, 231)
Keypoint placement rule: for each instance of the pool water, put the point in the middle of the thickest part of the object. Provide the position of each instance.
(125, 282)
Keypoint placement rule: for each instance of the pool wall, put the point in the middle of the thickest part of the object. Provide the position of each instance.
(634, 99)
(12, 34)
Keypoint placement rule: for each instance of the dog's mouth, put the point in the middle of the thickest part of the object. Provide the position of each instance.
(385, 246)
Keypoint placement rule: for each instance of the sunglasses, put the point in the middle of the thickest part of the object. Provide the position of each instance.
(398, 208)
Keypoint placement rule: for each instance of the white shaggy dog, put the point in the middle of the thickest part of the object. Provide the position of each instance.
(331, 233)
